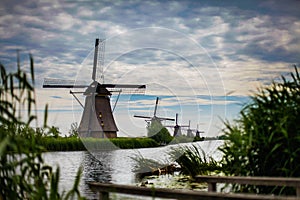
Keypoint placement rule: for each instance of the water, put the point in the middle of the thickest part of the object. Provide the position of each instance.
(111, 166)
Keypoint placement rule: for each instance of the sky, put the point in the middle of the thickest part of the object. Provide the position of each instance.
(202, 58)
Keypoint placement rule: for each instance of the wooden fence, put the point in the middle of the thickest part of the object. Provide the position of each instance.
(104, 189)
(242, 180)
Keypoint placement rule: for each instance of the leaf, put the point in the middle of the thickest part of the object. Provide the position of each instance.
(32, 68)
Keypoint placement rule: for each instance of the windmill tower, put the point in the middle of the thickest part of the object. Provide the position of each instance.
(97, 119)
(189, 131)
(154, 118)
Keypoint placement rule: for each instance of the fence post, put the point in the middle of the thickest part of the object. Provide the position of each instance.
(298, 191)
(103, 195)
(212, 186)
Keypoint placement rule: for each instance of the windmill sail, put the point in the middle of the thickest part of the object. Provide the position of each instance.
(154, 120)
(61, 83)
(125, 88)
(154, 117)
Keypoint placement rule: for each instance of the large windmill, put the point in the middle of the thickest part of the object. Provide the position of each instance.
(97, 119)
(154, 118)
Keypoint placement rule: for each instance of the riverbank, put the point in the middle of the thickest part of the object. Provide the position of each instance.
(82, 144)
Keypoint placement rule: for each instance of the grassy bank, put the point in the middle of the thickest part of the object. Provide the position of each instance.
(77, 144)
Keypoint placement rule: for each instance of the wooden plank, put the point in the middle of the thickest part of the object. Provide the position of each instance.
(178, 194)
(268, 181)
(298, 192)
(212, 187)
(103, 196)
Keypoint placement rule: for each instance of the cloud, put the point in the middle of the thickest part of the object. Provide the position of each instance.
(177, 48)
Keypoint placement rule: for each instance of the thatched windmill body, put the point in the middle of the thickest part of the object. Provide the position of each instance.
(97, 119)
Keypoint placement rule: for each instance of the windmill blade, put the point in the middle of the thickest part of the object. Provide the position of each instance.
(95, 60)
(172, 126)
(145, 117)
(165, 118)
(155, 109)
(126, 88)
(123, 86)
(185, 126)
(60, 83)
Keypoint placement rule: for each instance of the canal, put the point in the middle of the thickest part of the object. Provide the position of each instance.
(111, 166)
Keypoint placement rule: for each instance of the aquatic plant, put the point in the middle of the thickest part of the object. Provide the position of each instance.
(265, 140)
(143, 164)
(23, 173)
(193, 161)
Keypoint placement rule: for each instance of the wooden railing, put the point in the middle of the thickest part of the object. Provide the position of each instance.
(104, 189)
(242, 180)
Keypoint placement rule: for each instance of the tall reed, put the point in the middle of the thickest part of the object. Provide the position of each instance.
(193, 160)
(265, 140)
(23, 173)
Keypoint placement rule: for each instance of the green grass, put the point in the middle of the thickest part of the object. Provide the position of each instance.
(77, 144)
(61, 144)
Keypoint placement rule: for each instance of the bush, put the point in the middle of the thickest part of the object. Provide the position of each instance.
(265, 140)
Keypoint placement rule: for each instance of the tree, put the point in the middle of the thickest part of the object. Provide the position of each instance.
(74, 130)
(54, 131)
(158, 132)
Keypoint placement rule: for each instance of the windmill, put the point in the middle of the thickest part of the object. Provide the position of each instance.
(190, 131)
(198, 132)
(177, 128)
(97, 118)
(154, 118)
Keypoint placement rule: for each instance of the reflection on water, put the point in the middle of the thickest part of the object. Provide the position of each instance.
(98, 168)
(110, 166)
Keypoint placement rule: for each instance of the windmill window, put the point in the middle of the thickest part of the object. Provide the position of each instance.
(102, 124)
(100, 115)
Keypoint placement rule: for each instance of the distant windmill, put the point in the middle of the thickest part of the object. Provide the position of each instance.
(198, 132)
(97, 119)
(177, 128)
(150, 120)
(190, 131)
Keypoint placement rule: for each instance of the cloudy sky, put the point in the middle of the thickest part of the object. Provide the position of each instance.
(202, 58)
